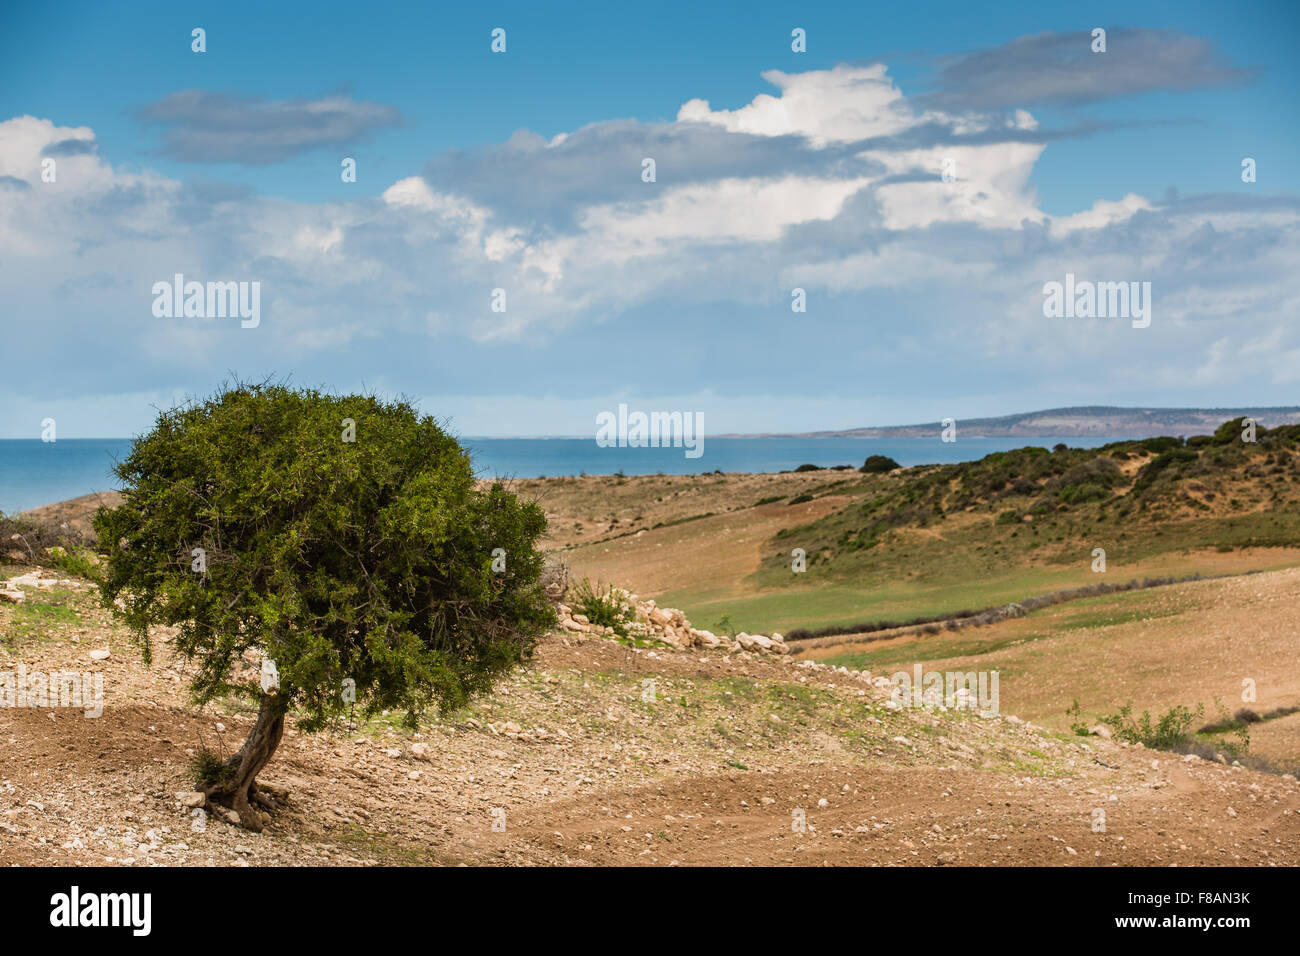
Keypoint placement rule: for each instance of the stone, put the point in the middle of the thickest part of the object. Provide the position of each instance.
(100, 654)
(191, 798)
(14, 596)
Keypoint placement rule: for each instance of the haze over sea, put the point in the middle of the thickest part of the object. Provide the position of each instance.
(33, 472)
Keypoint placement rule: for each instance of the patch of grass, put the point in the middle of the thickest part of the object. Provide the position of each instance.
(78, 562)
(382, 847)
(37, 617)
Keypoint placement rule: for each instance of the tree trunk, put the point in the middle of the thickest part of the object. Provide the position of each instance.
(237, 788)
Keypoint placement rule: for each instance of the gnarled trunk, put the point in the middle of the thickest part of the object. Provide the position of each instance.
(237, 788)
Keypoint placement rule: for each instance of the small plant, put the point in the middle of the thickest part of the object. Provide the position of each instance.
(1173, 731)
(1079, 727)
(209, 769)
(605, 607)
(724, 624)
(80, 562)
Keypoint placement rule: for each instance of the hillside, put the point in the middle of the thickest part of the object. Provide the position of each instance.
(1106, 421)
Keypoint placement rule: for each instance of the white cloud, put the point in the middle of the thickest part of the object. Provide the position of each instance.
(964, 260)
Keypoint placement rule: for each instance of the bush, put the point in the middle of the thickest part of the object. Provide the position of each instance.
(25, 540)
(81, 562)
(1161, 444)
(810, 468)
(1173, 731)
(1230, 432)
(605, 607)
(800, 499)
(878, 464)
(1161, 464)
(365, 570)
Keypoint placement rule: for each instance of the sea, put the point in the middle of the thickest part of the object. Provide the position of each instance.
(33, 472)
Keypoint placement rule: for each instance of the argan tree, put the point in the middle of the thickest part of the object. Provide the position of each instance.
(316, 553)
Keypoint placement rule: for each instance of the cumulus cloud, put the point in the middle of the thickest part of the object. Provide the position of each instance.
(204, 127)
(914, 228)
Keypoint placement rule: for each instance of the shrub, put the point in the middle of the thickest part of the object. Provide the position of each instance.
(606, 607)
(878, 464)
(1173, 731)
(1230, 432)
(368, 566)
(32, 541)
(1161, 444)
(810, 468)
(81, 562)
(800, 499)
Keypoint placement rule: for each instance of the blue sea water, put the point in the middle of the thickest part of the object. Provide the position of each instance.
(33, 472)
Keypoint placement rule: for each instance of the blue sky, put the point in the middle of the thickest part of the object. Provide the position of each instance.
(522, 171)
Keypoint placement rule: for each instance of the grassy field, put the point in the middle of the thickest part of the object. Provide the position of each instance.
(938, 540)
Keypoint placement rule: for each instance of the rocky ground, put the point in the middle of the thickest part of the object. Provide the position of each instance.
(605, 753)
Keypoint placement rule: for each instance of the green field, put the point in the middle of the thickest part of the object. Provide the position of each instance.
(941, 539)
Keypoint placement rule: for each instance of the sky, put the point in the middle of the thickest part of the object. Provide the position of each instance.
(920, 172)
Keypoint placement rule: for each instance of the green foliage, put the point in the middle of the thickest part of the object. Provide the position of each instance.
(1160, 445)
(80, 562)
(800, 499)
(1090, 481)
(878, 464)
(208, 768)
(1231, 431)
(1173, 731)
(368, 560)
(607, 607)
(810, 468)
(1077, 726)
(1163, 465)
